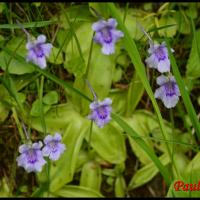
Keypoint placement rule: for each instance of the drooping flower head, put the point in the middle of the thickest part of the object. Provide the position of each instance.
(107, 35)
(38, 50)
(101, 112)
(53, 147)
(168, 91)
(158, 58)
(31, 158)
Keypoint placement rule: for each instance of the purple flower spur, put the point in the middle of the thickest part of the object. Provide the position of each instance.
(168, 91)
(107, 35)
(38, 50)
(31, 158)
(158, 58)
(53, 147)
(101, 112)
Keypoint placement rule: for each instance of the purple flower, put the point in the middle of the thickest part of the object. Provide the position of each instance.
(38, 51)
(53, 148)
(168, 91)
(101, 112)
(158, 58)
(106, 35)
(31, 157)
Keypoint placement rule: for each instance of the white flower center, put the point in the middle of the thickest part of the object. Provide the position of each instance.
(106, 34)
(170, 88)
(53, 145)
(38, 50)
(31, 156)
(160, 53)
(102, 112)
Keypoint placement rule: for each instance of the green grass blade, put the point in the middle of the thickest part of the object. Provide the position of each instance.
(158, 28)
(131, 48)
(40, 94)
(62, 83)
(144, 146)
(184, 92)
(195, 39)
(135, 92)
(48, 75)
(42, 117)
(161, 27)
(74, 34)
(118, 120)
(10, 86)
(195, 148)
(28, 25)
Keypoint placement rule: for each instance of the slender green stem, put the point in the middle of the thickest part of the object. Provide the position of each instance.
(172, 132)
(131, 48)
(125, 12)
(195, 38)
(25, 131)
(90, 136)
(85, 76)
(21, 133)
(28, 25)
(10, 86)
(75, 37)
(62, 83)
(172, 120)
(123, 125)
(163, 170)
(50, 76)
(184, 92)
(67, 37)
(41, 105)
(195, 148)
(41, 87)
(89, 58)
(172, 146)
(183, 116)
(48, 166)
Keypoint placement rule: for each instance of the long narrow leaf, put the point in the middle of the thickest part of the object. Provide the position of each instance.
(131, 48)
(28, 25)
(128, 129)
(184, 92)
(49, 75)
(144, 146)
